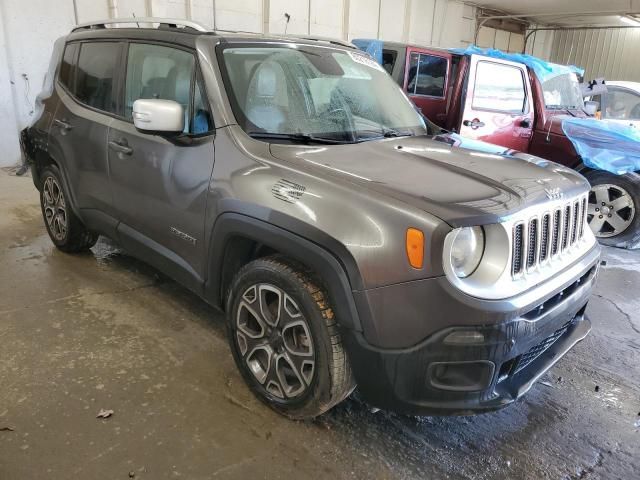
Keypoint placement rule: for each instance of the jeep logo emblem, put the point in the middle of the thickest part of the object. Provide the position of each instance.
(553, 193)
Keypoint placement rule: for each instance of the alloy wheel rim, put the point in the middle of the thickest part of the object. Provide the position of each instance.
(55, 208)
(274, 341)
(610, 211)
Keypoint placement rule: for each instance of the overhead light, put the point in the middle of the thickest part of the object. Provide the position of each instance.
(629, 20)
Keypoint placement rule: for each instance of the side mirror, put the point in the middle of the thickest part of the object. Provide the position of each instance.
(155, 115)
(591, 107)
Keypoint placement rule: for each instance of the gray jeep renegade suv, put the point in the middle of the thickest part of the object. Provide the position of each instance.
(290, 183)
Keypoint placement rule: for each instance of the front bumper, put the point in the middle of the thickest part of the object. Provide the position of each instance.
(438, 377)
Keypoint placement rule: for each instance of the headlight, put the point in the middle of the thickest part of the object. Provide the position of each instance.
(467, 250)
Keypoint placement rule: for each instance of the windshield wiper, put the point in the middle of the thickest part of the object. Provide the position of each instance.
(297, 137)
(385, 133)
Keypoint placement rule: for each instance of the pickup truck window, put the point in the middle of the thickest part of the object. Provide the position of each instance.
(563, 91)
(389, 60)
(499, 87)
(329, 94)
(427, 75)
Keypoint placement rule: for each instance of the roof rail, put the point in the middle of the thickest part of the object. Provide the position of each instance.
(164, 22)
(331, 40)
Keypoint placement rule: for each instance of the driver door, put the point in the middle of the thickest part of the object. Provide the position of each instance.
(498, 106)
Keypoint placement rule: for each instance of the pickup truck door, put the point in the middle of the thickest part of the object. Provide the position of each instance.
(498, 105)
(427, 82)
(160, 183)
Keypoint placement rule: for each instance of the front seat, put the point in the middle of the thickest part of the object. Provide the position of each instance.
(263, 107)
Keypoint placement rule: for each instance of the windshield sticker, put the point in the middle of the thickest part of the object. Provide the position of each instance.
(365, 59)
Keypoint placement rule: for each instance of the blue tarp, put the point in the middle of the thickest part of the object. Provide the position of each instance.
(604, 145)
(372, 47)
(543, 70)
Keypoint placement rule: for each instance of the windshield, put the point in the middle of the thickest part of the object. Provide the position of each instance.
(303, 92)
(563, 91)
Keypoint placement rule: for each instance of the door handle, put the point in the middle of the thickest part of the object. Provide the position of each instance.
(475, 123)
(526, 123)
(63, 124)
(121, 147)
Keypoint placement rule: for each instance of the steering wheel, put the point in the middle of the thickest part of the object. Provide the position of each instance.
(345, 115)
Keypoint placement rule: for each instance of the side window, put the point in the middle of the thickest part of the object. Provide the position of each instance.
(202, 121)
(155, 71)
(414, 60)
(389, 60)
(499, 87)
(431, 75)
(427, 75)
(68, 66)
(622, 105)
(95, 78)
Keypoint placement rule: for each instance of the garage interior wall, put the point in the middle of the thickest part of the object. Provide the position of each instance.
(24, 56)
(610, 53)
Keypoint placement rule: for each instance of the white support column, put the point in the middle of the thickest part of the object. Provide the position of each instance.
(265, 16)
(9, 135)
(345, 19)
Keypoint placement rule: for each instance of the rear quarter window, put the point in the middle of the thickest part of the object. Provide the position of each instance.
(68, 66)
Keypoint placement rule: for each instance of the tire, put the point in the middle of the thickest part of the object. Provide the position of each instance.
(280, 323)
(614, 208)
(65, 229)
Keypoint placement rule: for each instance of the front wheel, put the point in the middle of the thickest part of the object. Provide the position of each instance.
(285, 339)
(614, 208)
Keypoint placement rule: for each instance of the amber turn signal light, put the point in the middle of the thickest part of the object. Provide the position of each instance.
(415, 247)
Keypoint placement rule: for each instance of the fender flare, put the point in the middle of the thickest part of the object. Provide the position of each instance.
(317, 250)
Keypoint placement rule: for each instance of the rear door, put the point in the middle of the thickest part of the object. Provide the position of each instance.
(87, 88)
(498, 105)
(160, 182)
(427, 82)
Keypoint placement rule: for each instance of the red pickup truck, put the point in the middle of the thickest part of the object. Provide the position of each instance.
(503, 102)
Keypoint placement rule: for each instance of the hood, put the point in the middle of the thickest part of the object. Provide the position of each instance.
(461, 186)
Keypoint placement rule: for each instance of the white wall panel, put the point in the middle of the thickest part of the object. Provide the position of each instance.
(421, 21)
(611, 54)
(455, 24)
(168, 8)
(327, 18)
(202, 11)
(8, 111)
(299, 16)
(27, 59)
(392, 19)
(363, 18)
(89, 10)
(242, 15)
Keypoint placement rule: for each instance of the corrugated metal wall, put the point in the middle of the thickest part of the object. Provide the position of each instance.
(610, 53)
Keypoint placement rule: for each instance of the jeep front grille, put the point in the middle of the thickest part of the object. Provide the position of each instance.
(547, 236)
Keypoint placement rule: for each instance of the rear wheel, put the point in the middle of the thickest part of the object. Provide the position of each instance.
(614, 208)
(285, 340)
(64, 228)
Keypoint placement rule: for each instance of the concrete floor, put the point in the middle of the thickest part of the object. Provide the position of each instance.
(103, 331)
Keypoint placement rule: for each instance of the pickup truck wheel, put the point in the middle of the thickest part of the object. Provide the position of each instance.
(65, 229)
(613, 211)
(285, 339)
